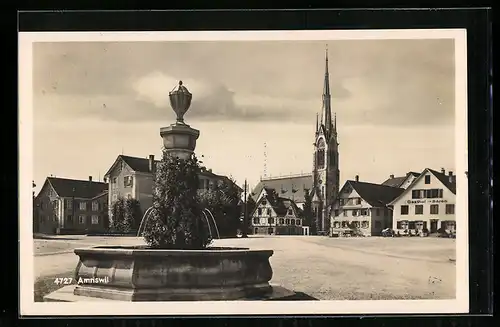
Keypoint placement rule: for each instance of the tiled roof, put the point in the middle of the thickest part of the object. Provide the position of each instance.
(375, 194)
(142, 165)
(82, 188)
(445, 179)
(280, 204)
(285, 185)
(138, 164)
(397, 181)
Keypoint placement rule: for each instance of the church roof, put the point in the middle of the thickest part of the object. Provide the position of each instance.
(375, 194)
(284, 186)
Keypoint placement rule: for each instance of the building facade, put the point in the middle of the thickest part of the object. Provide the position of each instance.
(133, 177)
(428, 205)
(274, 215)
(323, 182)
(361, 208)
(68, 206)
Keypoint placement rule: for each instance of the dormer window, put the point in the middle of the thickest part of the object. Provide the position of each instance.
(290, 211)
(264, 202)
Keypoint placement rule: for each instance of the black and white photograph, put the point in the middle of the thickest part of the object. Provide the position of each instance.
(298, 172)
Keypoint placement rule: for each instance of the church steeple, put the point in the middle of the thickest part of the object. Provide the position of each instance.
(327, 110)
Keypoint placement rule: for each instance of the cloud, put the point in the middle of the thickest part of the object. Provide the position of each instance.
(391, 82)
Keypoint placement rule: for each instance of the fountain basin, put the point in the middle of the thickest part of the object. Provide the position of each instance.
(144, 274)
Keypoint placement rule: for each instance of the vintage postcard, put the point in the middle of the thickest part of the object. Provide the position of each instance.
(297, 172)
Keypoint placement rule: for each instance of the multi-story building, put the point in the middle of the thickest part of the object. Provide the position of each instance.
(69, 206)
(427, 204)
(274, 215)
(362, 207)
(133, 177)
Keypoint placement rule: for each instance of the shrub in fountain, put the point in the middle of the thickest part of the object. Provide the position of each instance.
(175, 221)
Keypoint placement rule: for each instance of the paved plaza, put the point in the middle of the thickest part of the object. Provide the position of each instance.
(321, 267)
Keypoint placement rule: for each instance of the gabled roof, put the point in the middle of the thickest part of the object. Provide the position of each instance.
(290, 187)
(375, 195)
(398, 181)
(280, 205)
(141, 165)
(443, 178)
(77, 188)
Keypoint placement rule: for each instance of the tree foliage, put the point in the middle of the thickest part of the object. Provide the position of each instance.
(223, 201)
(126, 215)
(176, 217)
(308, 212)
(250, 207)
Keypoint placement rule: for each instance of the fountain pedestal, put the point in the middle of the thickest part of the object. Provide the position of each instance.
(179, 139)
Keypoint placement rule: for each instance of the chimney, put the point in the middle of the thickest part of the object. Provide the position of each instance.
(450, 176)
(210, 170)
(151, 163)
(90, 178)
(356, 178)
(391, 176)
(443, 171)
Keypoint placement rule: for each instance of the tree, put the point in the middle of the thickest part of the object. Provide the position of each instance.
(309, 213)
(133, 213)
(251, 205)
(223, 201)
(119, 222)
(175, 220)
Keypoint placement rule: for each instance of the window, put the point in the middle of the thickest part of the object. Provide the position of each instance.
(377, 212)
(113, 180)
(416, 194)
(411, 225)
(83, 206)
(290, 211)
(336, 224)
(434, 209)
(287, 221)
(336, 212)
(320, 154)
(358, 201)
(434, 193)
(282, 221)
(404, 209)
(129, 196)
(256, 221)
(365, 224)
(341, 202)
(128, 181)
(95, 206)
(357, 224)
(398, 225)
(270, 230)
(256, 231)
(270, 221)
(95, 220)
(427, 179)
(81, 219)
(364, 212)
(345, 213)
(298, 222)
(259, 212)
(419, 209)
(354, 213)
(268, 211)
(69, 204)
(264, 202)
(345, 224)
(450, 209)
(378, 224)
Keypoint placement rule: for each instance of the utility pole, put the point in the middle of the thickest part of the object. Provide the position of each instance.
(244, 233)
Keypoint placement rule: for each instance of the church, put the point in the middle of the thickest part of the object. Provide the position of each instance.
(322, 184)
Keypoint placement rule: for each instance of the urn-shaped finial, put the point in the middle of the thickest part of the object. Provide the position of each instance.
(180, 100)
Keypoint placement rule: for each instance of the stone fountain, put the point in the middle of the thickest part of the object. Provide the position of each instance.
(128, 273)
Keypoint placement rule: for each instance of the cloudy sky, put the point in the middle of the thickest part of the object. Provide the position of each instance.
(394, 101)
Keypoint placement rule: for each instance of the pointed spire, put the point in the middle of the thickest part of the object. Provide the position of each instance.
(327, 110)
(317, 122)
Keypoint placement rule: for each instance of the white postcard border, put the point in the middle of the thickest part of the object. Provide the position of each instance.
(30, 308)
